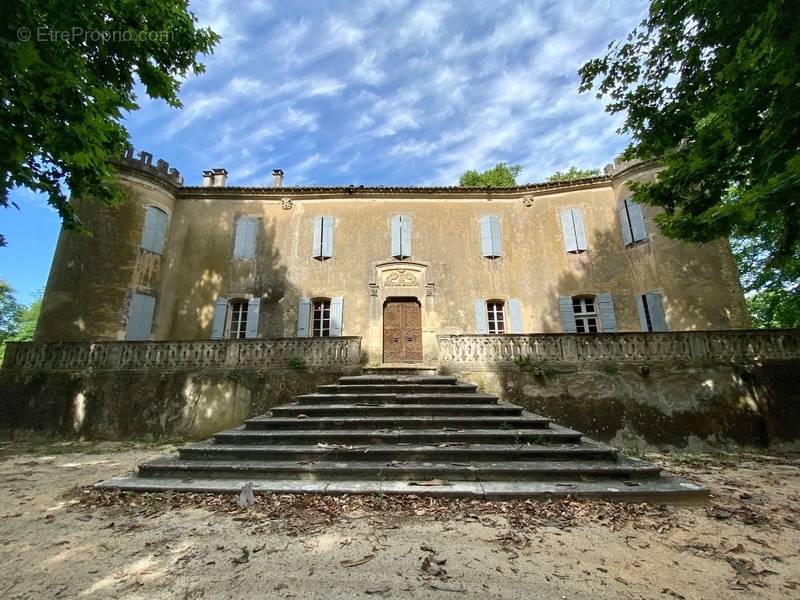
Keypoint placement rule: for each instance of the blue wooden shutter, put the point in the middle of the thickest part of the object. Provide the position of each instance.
(636, 216)
(140, 317)
(303, 317)
(316, 244)
(336, 316)
(405, 236)
(253, 309)
(218, 322)
(515, 313)
(327, 237)
(486, 236)
(656, 307)
(568, 229)
(567, 314)
(481, 318)
(624, 222)
(605, 306)
(245, 241)
(397, 240)
(642, 313)
(497, 236)
(580, 229)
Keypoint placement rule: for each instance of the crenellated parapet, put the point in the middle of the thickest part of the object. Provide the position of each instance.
(144, 162)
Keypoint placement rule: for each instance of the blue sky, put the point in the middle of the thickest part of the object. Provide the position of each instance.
(374, 92)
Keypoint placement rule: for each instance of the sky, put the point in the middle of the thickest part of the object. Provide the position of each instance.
(379, 92)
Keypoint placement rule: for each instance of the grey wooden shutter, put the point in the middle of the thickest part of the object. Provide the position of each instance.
(605, 306)
(515, 313)
(160, 233)
(244, 245)
(642, 313)
(580, 229)
(567, 314)
(327, 237)
(397, 240)
(656, 307)
(624, 223)
(405, 236)
(218, 322)
(336, 316)
(568, 229)
(253, 309)
(486, 236)
(316, 244)
(140, 317)
(303, 317)
(636, 217)
(481, 318)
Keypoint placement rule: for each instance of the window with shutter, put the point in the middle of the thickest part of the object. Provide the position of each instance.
(574, 230)
(651, 312)
(140, 317)
(491, 236)
(336, 316)
(631, 221)
(401, 236)
(605, 307)
(322, 238)
(237, 319)
(244, 245)
(154, 233)
(321, 318)
(515, 315)
(303, 317)
(481, 324)
(495, 317)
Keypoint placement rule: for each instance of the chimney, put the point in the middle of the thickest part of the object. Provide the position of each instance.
(277, 177)
(220, 177)
(215, 178)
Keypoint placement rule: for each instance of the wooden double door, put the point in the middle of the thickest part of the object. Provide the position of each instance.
(402, 330)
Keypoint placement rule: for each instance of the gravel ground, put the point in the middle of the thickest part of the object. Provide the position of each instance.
(61, 539)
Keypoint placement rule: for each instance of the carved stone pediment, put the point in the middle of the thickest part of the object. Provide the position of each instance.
(401, 278)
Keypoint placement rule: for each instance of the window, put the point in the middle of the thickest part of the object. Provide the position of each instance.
(491, 236)
(154, 233)
(244, 245)
(237, 320)
(631, 221)
(651, 312)
(574, 230)
(401, 236)
(322, 238)
(140, 317)
(586, 318)
(495, 317)
(321, 319)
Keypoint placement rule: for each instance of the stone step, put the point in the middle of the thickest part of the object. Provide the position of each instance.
(665, 489)
(411, 436)
(426, 398)
(397, 388)
(546, 470)
(408, 422)
(398, 378)
(385, 410)
(404, 369)
(405, 452)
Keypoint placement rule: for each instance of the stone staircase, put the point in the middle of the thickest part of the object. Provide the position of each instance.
(408, 434)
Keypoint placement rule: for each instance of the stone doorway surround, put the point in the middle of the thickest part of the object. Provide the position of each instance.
(402, 279)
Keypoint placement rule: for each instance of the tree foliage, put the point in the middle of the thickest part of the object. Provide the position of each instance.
(573, 173)
(67, 75)
(17, 322)
(501, 175)
(711, 89)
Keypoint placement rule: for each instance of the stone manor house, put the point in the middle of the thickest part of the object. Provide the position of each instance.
(396, 266)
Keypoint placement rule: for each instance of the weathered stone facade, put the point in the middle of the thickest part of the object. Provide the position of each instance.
(202, 265)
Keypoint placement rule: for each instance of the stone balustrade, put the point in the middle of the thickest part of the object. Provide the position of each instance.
(227, 354)
(719, 346)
